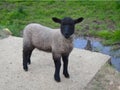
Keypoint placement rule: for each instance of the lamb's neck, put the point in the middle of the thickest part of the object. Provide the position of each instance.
(69, 40)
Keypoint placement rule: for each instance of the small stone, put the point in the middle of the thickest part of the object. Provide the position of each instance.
(10, 62)
(111, 83)
(7, 31)
(119, 87)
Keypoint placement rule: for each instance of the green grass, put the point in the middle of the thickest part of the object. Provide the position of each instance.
(102, 17)
(110, 37)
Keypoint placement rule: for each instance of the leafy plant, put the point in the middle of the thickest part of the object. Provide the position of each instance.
(15, 15)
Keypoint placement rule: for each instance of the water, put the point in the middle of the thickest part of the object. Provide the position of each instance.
(97, 46)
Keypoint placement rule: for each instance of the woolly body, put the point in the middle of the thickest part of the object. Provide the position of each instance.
(46, 39)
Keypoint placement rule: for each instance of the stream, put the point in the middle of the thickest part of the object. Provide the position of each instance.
(97, 46)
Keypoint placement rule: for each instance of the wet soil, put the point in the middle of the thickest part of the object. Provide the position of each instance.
(108, 77)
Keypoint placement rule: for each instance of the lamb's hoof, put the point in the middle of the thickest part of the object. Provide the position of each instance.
(66, 75)
(29, 63)
(57, 79)
(25, 68)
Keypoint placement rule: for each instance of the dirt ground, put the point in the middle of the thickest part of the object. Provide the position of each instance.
(40, 75)
(106, 79)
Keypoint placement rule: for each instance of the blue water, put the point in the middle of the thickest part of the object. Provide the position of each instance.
(97, 46)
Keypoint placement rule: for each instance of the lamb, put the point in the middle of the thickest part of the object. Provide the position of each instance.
(56, 41)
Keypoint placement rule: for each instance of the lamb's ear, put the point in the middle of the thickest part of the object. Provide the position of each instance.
(78, 20)
(56, 20)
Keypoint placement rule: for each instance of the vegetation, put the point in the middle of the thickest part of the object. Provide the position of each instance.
(102, 18)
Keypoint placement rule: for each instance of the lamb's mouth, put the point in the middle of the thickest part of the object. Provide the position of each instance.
(67, 37)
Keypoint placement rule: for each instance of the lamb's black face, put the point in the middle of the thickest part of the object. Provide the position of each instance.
(67, 25)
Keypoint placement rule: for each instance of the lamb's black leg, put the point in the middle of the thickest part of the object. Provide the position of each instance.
(65, 66)
(57, 70)
(25, 58)
(57, 63)
(29, 55)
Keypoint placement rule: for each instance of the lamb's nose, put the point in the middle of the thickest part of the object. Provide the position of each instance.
(66, 35)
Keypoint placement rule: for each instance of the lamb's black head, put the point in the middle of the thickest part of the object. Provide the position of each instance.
(67, 25)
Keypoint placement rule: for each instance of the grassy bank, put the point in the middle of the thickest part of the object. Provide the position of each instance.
(101, 18)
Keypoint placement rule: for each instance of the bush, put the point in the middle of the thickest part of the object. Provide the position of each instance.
(116, 36)
(105, 34)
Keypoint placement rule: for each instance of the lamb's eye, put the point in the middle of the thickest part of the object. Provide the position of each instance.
(65, 25)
